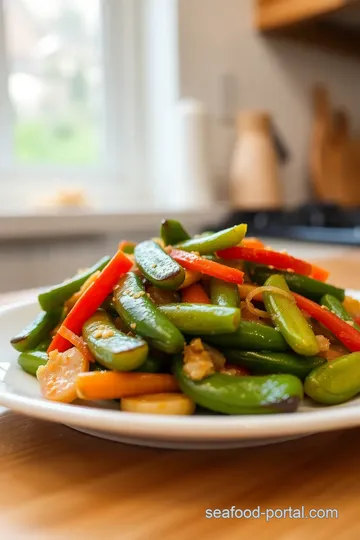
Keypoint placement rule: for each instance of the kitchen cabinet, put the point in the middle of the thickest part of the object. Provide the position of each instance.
(329, 24)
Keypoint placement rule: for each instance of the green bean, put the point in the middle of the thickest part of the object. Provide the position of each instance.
(264, 362)
(109, 306)
(58, 294)
(162, 296)
(336, 381)
(110, 347)
(337, 307)
(43, 345)
(202, 319)
(139, 312)
(289, 319)
(215, 242)
(242, 395)
(251, 335)
(173, 232)
(37, 331)
(150, 365)
(224, 294)
(29, 361)
(158, 267)
(306, 286)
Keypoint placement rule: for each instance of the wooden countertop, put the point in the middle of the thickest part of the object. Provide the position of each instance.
(58, 483)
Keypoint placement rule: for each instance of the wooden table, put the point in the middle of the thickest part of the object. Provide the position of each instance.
(57, 483)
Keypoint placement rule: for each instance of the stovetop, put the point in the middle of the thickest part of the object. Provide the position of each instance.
(312, 223)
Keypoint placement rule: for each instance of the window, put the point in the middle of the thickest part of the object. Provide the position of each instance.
(55, 80)
(86, 95)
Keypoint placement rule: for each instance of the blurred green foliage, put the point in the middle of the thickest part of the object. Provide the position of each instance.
(62, 143)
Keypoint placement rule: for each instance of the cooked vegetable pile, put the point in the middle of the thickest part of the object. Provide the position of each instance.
(179, 325)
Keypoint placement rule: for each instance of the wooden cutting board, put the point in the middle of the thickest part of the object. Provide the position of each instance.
(334, 153)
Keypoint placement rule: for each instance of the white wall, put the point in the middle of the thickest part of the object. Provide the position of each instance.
(217, 37)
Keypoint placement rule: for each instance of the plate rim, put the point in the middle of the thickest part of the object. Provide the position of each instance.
(190, 428)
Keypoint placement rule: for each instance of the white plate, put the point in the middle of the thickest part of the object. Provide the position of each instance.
(20, 392)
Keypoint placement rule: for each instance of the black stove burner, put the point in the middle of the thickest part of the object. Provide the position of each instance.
(312, 223)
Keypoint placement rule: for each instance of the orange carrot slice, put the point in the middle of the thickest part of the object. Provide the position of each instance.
(97, 385)
(319, 273)
(252, 242)
(195, 294)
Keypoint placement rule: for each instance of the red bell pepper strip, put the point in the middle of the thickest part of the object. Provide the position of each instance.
(282, 261)
(195, 294)
(346, 333)
(92, 299)
(319, 273)
(191, 261)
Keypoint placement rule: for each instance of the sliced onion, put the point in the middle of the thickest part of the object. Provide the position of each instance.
(266, 288)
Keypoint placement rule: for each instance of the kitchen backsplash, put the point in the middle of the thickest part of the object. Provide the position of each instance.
(217, 40)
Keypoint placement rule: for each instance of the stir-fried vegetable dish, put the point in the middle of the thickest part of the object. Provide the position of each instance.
(217, 322)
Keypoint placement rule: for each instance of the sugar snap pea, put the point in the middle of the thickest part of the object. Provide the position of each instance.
(251, 336)
(172, 232)
(242, 395)
(306, 286)
(43, 345)
(29, 361)
(158, 267)
(224, 294)
(58, 294)
(336, 381)
(141, 314)
(110, 347)
(37, 331)
(289, 318)
(162, 296)
(151, 365)
(337, 307)
(202, 319)
(263, 362)
(216, 241)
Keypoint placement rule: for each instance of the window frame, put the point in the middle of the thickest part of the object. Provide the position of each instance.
(119, 56)
(137, 129)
